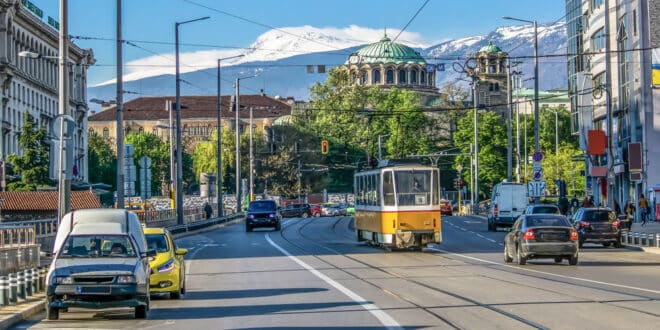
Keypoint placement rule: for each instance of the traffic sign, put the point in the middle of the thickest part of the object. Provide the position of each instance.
(537, 175)
(538, 156)
(536, 188)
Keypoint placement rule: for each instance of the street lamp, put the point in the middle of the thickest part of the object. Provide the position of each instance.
(238, 145)
(219, 132)
(536, 87)
(179, 162)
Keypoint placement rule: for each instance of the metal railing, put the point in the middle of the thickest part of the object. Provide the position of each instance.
(18, 248)
(16, 235)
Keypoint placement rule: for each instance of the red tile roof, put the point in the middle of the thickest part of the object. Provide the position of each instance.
(45, 200)
(154, 108)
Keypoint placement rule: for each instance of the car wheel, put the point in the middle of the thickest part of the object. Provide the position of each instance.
(141, 312)
(521, 258)
(305, 215)
(558, 259)
(573, 260)
(507, 257)
(53, 313)
(607, 244)
(617, 244)
(248, 228)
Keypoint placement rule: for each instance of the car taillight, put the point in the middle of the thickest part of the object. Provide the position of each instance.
(529, 234)
(574, 235)
(583, 224)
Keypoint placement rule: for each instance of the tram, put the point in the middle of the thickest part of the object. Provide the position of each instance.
(397, 205)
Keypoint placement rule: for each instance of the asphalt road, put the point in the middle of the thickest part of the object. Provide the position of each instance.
(313, 274)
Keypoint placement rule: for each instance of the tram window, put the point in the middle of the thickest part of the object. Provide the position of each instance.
(388, 188)
(413, 187)
(377, 189)
(436, 183)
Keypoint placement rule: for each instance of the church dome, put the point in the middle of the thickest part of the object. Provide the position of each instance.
(386, 51)
(490, 48)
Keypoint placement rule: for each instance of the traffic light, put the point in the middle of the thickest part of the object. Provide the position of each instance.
(324, 147)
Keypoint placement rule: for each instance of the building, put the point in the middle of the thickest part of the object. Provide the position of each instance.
(492, 78)
(523, 99)
(15, 205)
(609, 71)
(30, 85)
(199, 116)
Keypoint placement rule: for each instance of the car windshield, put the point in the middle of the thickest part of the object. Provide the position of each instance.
(545, 209)
(548, 222)
(599, 216)
(157, 242)
(259, 206)
(97, 246)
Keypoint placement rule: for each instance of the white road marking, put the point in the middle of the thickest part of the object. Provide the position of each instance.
(545, 273)
(383, 317)
(482, 236)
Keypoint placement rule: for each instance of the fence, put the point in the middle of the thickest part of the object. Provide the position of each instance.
(18, 248)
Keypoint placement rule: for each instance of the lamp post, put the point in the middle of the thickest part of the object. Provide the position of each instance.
(219, 132)
(179, 165)
(536, 87)
(238, 145)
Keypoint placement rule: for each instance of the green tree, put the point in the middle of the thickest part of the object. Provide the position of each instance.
(32, 164)
(102, 161)
(150, 145)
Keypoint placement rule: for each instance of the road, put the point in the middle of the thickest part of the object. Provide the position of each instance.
(313, 274)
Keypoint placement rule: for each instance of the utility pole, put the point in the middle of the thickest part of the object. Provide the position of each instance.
(508, 123)
(475, 188)
(64, 187)
(608, 106)
(120, 119)
(238, 149)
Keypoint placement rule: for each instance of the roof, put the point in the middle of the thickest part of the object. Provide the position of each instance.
(386, 51)
(490, 48)
(154, 108)
(45, 200)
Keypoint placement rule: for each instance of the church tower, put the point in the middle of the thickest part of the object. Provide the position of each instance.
(493, 86)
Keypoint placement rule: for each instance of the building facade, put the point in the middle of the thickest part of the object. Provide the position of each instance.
(492, 88)
(30, 85)
(609, 72)
(199, 116)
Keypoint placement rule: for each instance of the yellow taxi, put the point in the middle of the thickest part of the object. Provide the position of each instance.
(168, 270)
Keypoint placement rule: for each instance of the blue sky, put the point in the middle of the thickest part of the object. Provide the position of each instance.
(235, 24)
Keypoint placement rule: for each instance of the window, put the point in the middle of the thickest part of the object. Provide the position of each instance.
(598, 40)
(413, 187)
(402, 76)
(413, 76)
(376, 77)
(106, 132)
(389, 76)
(388, 189)
(141, 129)
(90, 131)
(422, 78)
(595, 4)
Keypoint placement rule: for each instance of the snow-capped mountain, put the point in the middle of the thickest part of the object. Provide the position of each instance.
(281, 58)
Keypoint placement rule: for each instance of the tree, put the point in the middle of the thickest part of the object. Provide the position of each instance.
(102, 161)
(150, 145)
(32, 164)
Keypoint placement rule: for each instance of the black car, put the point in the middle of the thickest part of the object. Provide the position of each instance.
(296, 210)
(542, 208)
(598, 225)
(535, 236)
(262, 213)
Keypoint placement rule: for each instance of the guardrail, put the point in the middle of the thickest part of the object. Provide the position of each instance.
(641, 239)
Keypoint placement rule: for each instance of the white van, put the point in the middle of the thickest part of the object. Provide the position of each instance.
(100, 260)
(508, 202)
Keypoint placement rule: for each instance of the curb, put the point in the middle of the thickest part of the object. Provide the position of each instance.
(23, 313)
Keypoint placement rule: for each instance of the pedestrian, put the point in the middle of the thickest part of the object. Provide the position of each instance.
(643, 205)
(208, 210)
(591, 201)
(575, 203)
(629, 208)
(563, 204)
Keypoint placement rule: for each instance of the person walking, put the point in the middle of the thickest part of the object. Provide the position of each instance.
(643, 205)
(575, 203)
(629, 208)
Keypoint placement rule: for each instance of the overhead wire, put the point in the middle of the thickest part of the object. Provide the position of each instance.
(410, 20)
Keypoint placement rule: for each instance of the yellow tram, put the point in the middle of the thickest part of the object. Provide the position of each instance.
(397, 205)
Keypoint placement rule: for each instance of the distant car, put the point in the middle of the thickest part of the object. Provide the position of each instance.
(535, 236)
(168, 268)
(597, 225)
(542, 209)
(350, 210)
(341, 209)
(315, 210)
(262, 213)
(329, 210)
(446, 207)
(295, 210)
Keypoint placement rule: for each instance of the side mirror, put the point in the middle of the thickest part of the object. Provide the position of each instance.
(181, 252)
(151, 253)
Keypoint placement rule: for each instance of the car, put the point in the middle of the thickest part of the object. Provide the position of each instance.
(329, 210)
(168, 268)
(100, 261)
(350, 210)
(315, 210)
(296, 210)
(597, 225)
(341, 209)
(262, 213)
(508, 201)
(446, 207)
(542, 208)
(536, 236)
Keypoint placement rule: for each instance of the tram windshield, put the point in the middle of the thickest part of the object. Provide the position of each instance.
(413, 187)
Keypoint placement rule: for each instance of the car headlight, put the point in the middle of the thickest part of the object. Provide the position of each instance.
(272, 215)
(166, 267)
(251, 216)
(62, 280)
(125, 279)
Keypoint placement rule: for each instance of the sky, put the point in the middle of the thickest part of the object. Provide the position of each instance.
(234, 25)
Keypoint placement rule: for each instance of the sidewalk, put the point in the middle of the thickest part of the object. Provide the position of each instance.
(10, 315)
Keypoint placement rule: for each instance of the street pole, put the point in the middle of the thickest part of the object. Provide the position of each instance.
(251, 162)
(608, 108)
(64, 188)
(179, 159)
(475, 81)
(168, 104)
(120, 121)
(238, 149)
(509, 165)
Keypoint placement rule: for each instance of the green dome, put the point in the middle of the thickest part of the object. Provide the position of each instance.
(386, 51)
(490, 48)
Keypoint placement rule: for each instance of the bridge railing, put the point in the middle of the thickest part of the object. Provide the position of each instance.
(18, 248)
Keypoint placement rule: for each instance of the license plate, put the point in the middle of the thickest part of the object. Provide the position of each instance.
(94, 290)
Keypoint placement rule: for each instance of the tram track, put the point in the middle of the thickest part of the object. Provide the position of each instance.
(428, 310)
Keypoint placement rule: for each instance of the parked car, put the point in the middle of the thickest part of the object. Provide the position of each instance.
(446, 208)
(329, 210)
(100, 261)
(508, 202)
(295, 210)
(535, 236)
(262, 213)
(168, 268)
(341, 209)
(315, 210)
(542, 209)
(597, 225)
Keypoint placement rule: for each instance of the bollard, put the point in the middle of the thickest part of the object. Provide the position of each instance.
(636, 238)
(13, 287)
(21, 285)
(28, 282)
(4, 291)
(42, 276)
(657, 240)
(35, 281)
